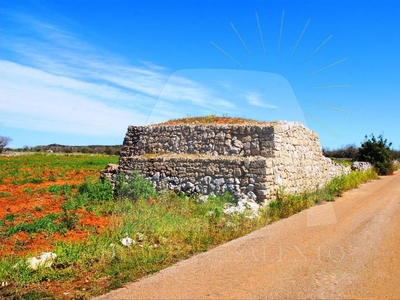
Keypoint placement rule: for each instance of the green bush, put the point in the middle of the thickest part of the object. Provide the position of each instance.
(95, 192)
(286, 205)
(90, 195)
(135, 187)
(377, 152)
(337, 186)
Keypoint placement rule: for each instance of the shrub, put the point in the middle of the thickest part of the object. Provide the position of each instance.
(377, 152)
(135, 187)
(349, 151)
(4, 141)
(96, 192)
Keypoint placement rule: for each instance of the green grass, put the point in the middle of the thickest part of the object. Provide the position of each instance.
(396, 166)
(167, 228)
(343, 162)
(43, 224)
(287, 205)
(37, 168)
(61, 190)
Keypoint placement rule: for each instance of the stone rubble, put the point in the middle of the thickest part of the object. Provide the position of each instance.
(127, 241)
(361, 166)
(45, 260)
(110, 173)
(245, 205)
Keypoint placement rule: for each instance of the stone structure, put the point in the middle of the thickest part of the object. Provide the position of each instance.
(361, 166)
(253, 160)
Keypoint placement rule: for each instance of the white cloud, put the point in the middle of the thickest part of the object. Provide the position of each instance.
(179, 88)
(256, 100)
(59, 83)
(68, 77)
(33, 99)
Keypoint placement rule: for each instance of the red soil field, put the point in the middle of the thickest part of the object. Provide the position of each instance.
(31, 201)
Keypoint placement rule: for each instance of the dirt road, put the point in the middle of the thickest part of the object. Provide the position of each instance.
(346, 249)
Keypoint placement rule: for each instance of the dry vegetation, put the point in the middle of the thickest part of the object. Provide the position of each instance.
(211, 119)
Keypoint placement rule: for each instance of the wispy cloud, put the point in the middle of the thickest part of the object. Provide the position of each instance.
(256, 100)
(57, 82)
(34, 99)
(182, 96)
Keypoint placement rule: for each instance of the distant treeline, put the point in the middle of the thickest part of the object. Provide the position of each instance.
(56, 148)
(350, 152)
(345, 152)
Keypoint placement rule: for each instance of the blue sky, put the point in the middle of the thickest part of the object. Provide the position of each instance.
(79, 72)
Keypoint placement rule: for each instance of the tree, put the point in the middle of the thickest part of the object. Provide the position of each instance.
(377, 152)
(4, 141)
(348, 151)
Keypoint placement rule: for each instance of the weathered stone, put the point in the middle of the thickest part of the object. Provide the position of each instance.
(263, 192)
(203, 198)
(252, 196)
(237, 172)
(219, 181)
(237, 144)
(236, 158)
(230, 180)
(361, 166)
(252, 205)
(250, 187)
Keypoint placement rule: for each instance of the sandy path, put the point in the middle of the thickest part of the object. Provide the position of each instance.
(346, 249)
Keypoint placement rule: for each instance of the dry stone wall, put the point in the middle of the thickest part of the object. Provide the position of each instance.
(298, 162)
(214, 140)
(361, 166)
(254, 160)
(203, 175)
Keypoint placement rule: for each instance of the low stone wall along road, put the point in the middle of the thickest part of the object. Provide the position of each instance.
(349, 248)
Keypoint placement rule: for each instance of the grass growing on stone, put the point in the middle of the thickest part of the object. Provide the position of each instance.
(164, 228)
(211, 119)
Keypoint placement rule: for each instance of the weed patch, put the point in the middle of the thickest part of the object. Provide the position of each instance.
(44, 224)
(287, 205)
